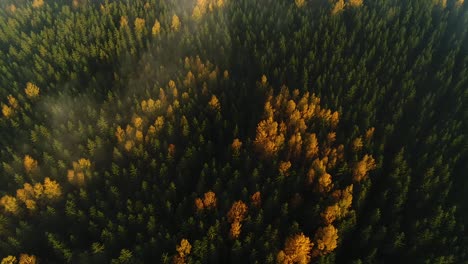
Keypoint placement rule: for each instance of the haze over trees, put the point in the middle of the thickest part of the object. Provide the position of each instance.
(222, 131)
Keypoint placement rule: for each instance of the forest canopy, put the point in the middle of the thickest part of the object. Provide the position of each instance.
(233, 131)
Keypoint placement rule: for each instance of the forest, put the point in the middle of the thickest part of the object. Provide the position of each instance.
(233, 131)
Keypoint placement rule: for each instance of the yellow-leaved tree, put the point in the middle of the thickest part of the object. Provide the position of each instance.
(31, 90)
(297, 250)
(175, 25)
(30, 164)
(156, 29)
(326, 240)
(183, 250)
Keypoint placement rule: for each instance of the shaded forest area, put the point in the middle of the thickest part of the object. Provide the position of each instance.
(222, 131)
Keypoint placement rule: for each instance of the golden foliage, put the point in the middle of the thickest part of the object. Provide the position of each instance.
(10, 204)
(325, 183)
(175, 25)
(12, 101)
(214, 103)
(269, 138)
(355, 3)
(139, 25)
(31, 90)
(357, 144)
(150, 106)
(459, 3)
(123, 21)
(199, 204)
(236, 146)
(137, 121)
(159, 123)
(120, 134)
(178, 260)
(27, 259)
(30, 164)
(370, 133)
(326, 239)
(156, 29)
(209, 200)
(75, 3)
(331, 137)
(264, 79)
(7, 111)
(184, 248)
(203, 6)
(237, 212)
(52, 189)
(37, 3)
(330, 214)
(256, 199)
(30, 204)
(300, 3)
(235, 230)
(11, 8)
(344, 199)
(196, 14)
(139, 136)
(284, 167)
(338, 7)
(82, 164)
(129, 145)
(27, 194)
(9, 260)
(362, 168)
(80, 170)
(312, 148)
(334, 119)
(297, 250)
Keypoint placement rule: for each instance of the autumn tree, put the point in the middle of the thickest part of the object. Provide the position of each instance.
(175, 24)
(256, 199)
(81, 170)
(235, 216)
(52, 189)
(269, 138)
(284, 167)
(9, 204)
(9, 260)
(139, 25)
(235, 230)
(236, 146)
(237, 212)
(297, 250)
(355, 3)
(214, 103)
(156, 29)
(338, 7)
(31, 90)
(209, 200)
(326, 240)
(27, 259)
(7, 111)
(362, 168)
(123, 22)
(300, 3)
(37, 3)
(183, 250)
(30, 164)
(357, 144)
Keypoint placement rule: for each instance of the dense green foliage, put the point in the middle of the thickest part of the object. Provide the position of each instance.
(137, 124)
